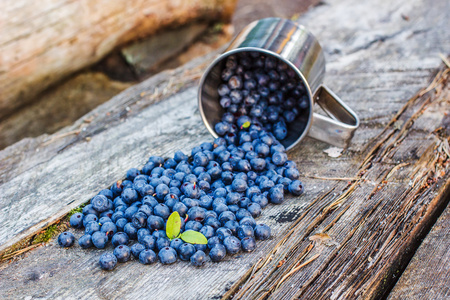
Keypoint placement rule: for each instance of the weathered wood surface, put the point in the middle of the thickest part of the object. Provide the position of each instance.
(376, 63)
(354, 240)
(427, 275)
(44, 41)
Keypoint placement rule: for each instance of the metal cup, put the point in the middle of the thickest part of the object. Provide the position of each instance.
(300, 50)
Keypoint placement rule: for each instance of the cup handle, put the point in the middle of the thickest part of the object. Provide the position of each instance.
(338, 127)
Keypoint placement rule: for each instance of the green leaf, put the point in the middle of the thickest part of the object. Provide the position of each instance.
(246, 125)
(194, 237)
(173, 225)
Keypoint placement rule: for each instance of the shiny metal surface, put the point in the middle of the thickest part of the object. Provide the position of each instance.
(338, 128)
(294, 45)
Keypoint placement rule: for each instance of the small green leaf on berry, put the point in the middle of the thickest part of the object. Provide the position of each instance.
(194, 237)
(173, 226)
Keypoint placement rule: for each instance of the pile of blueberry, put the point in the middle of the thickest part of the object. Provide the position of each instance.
(218, 191)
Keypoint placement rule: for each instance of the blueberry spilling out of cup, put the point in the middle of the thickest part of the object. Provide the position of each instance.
(256, 101)
(219, 191)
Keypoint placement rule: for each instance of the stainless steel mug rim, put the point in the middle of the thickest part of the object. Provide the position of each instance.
(268, 52)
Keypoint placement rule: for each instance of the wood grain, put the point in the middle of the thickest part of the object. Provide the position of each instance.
(375, 65)
(427, 273)
(43, 42)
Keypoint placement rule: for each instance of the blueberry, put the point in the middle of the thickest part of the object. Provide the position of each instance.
(244, 202)
(193, 225)
(120, 238)
(150, 201)
(242, 213)
(191, 190)
(185, 251)
(217, 253)
(239, 185)
(85, 241)
(132, 173)
(247, 221)
(244, 231)
(76, 220)
(159, 234)
(155, 223)
(261, 200)
(146, 209)
(147, 257)
(170, 163)
(129, 195)
(262, 232)
(161, 210)
(108, 261)
(210, 213)
(122, 253)
(258, 164)
(296, 187)
(66, 239)
(161, 191)
(109, 228)
(223, 233)
(232, 244)
(176, 243)
(103, 220)
(232, 225)
(89, 218)
(116, 188)
(130, 211)
(120, 224)
(198, 259)
(276, 194)
(99, 239)
(213, 241)
(179, 156)
(197, 213)
(200, 159)
(226, 216)
(181, 208)
(162, 242)
(130, 231)
(220, 208)
(248, 244)
(148, 241)
(207, 231)
(235, 82)
(91, 227)
(222, 128)
(107, 213)
(188, 202)
(167, 255)
(233, 208)
(141, 233)
(223, 90)
(292, 173)
(136, 249)
(254, 209)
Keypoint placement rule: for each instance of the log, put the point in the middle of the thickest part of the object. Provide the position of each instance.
(362, 214)
(43, 42)
(427, 275)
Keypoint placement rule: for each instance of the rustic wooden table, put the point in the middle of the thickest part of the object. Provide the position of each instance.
(350, 236)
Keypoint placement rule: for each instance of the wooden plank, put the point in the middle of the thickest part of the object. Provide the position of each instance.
(43, 42)
(366, 233)
(377, 98)
(427, 275)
